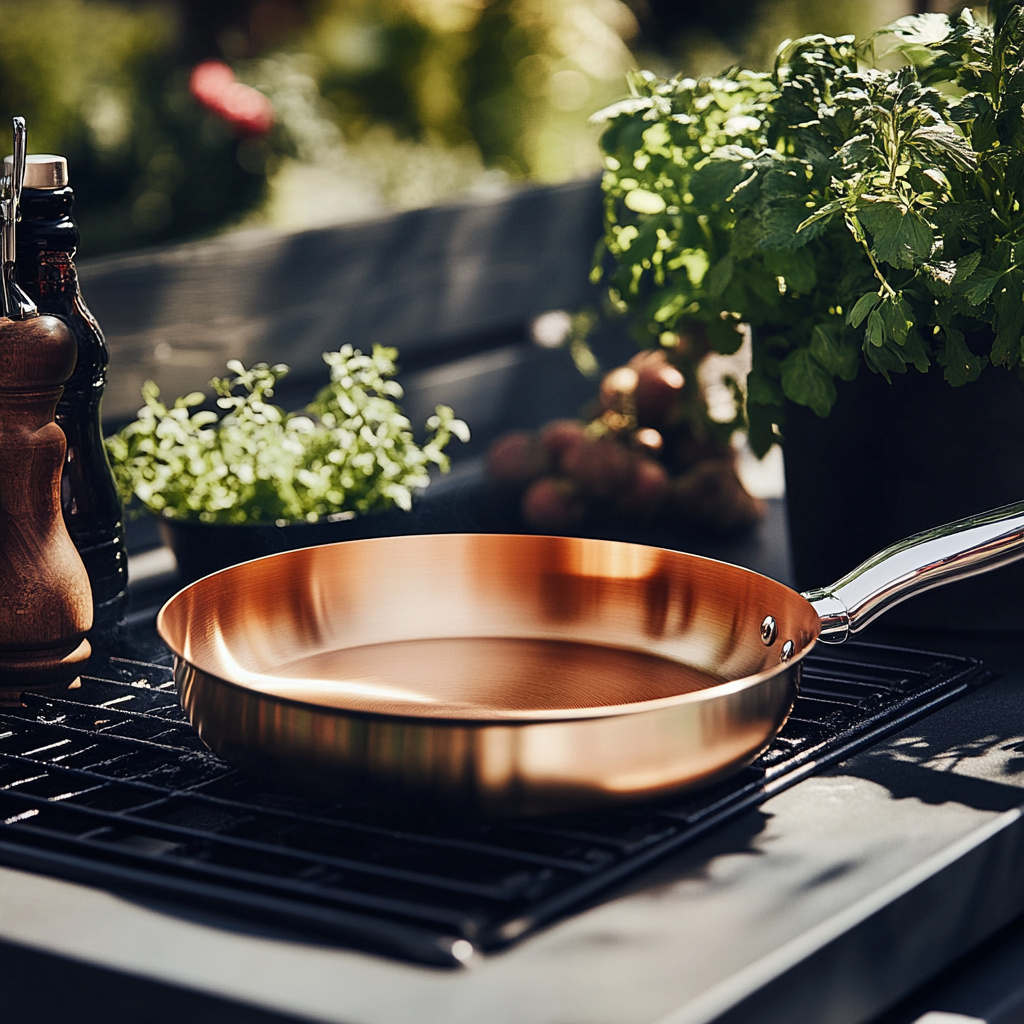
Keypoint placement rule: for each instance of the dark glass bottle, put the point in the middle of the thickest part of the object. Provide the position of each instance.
(46, 243)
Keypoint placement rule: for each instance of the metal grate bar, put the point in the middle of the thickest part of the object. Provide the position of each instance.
(61, 817)
(109, 784)
(138, 797)
(380, 933)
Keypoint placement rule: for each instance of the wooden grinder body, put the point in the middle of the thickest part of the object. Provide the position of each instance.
(45, 597)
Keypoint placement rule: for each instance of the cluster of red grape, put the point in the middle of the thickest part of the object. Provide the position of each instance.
(642, 459)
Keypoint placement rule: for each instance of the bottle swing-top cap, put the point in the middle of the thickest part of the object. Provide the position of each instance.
(16, 304)
(42, 170)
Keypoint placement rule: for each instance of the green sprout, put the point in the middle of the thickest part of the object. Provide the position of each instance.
(351, 452)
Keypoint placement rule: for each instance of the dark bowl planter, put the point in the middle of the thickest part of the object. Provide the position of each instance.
(465, 505)
(455, 504)
(893, 460)
(203, 548)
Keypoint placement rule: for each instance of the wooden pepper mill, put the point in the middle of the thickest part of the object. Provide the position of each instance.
(47, 240)
(45, 597)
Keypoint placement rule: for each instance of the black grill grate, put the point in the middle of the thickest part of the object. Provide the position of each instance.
(109, 784)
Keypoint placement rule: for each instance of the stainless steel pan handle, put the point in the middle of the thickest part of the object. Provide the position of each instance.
(931, 559)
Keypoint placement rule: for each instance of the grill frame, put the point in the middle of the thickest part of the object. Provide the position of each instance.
(527, 874)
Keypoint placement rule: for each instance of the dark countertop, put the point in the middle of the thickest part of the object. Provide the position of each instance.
(835, 900)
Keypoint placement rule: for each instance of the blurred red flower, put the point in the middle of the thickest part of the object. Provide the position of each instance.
(245, 110)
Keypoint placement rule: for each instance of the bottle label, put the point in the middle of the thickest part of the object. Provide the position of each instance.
(56, 274)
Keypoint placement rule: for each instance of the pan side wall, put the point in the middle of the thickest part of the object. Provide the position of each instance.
(493, 769)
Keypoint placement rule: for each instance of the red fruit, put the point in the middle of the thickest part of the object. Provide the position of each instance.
(559, 435)
(516, 459)
(600, 467)
(659, 387)
(710, 499)
(553, 504)
(683, 450)
(618, 388)
(692, 342)
(646, 357)
(650, 439)
(646, 492)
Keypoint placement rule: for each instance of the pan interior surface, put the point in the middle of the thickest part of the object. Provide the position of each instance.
(473, 677)
(484, 627)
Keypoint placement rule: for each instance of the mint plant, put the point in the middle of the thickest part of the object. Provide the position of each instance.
(351, 452)
(851, 214)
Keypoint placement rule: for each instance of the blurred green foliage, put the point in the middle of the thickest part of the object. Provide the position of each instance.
(507, 76)
(98, 82)
(390, 102)
(380, 104)
(433, 97)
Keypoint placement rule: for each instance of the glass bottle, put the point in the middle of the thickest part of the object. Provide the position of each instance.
(46, 243)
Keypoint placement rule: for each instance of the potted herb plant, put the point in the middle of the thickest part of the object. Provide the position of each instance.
(866, 222)
(255, 479)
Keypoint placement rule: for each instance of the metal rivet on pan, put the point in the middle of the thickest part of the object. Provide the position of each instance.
(769, 631)
(787, 650)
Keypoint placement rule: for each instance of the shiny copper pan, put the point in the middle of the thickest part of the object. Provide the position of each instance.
(513, 675)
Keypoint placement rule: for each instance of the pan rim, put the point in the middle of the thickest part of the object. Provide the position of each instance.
(719, 691)
(513, 718)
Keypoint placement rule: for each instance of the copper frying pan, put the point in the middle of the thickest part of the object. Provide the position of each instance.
(513, 675)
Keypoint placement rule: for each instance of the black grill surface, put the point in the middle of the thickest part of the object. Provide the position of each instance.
(110, 785)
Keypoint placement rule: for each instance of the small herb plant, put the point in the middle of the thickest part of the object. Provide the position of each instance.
(847, 212)
(353, 452)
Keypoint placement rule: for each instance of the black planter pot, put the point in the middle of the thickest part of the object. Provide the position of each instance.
(203, 548)
(464, 505)
(893, 460)
(450, 505)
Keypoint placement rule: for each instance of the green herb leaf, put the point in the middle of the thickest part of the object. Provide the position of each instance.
(823, 213)
(899, 236)
(980, 284)
(915, 352)
(885, 359)
(923, 29)
(1008, 346)
(949, 141)
(837, 353)
(720, 275)
(861, 308)
(724, 335)
(780, 221)
(897, 318)
(875, 333)
(761, 421)
(961, 364)
(984, 131)
(795, 267)
(715, 181)
(806, 382)
(762, 390)
(965, 266)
